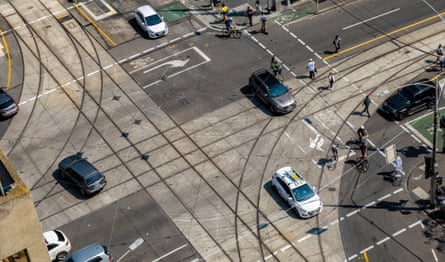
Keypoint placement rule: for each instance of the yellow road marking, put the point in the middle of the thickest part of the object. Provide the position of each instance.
(87, 17)
(61, 14)
(384, 35)
(365, 255)
(5, 44)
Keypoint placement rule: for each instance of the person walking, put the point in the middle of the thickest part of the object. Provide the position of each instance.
(331, 80)
(275, 65)
(334, 149)
(366, 103)
(258, 9)
(311, 68)
(439, 52)
(442, 62)
(337, 42)
(249, 12)
(263, 20)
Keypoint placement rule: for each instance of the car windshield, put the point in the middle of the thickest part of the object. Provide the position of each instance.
(406, 95)
(94, 178)
(303, 192)
(277, 90)
(153, 20)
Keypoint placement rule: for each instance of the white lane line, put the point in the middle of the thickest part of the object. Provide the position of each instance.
(434, 255)
(268, 257)
(285, 248)
(414, 224)
(397, 191)
(383, 197)
(353, 212)
(370, 19)
(399, 232)
(368, 205)
(367, 249)
(288, 136)
(169, 253)
(303, 238)
(334, 222)
(352, 257)
(382, 241)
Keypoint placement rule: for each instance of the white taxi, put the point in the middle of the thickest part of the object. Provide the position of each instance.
(292, 187)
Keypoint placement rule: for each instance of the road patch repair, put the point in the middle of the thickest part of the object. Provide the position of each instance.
(174, 12)
(423, 128)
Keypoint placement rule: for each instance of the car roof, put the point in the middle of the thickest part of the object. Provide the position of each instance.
(416, 88)
(146, 10)
(291, 177)
(88, 252)
(53, 236)
(83, 167)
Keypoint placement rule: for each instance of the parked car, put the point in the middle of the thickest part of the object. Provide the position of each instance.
(8, 107)
(272, 92)
(151, 22)
(92, 253)
(82, 174)
(58, 245)
(409, 100)
(292, 187)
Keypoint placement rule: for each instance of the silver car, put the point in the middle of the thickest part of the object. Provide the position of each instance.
(272, 92)
(151, 22)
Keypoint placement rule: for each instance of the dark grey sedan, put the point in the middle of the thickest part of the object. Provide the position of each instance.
(272, 92)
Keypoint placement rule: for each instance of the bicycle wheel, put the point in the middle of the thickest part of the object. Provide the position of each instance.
(237, 34)
(225, 32)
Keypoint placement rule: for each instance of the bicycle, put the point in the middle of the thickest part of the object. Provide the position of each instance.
(234, 32)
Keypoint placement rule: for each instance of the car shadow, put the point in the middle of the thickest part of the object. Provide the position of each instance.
(68, 186)
(248, 92)
(283, 205)
(385, 115)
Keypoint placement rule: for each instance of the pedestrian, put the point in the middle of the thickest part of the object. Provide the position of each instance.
(331, 80)
(275, 65)
(397, 164)
(366, 103)
(337, 42)
(362, 134)
(249, 14)
(224, 10)
(334, 149)
(439, 52)
(263, 20)
(311, 68)
(258, 9)
(363, 150)
(442, 62)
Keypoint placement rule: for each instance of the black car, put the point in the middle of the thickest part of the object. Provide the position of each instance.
(409, 100)
(8, 107)
(272, 92)
(82, 174)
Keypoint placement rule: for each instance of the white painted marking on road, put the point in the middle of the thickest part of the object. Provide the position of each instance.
(175, 40)
(148, 50)
(268, 257)
(434, 255)
(383, 197)
(311, 127)
(366, 249)
(303, 238)
(92, 73)
(382, 241)
(310, 49)
(397, 191)
(294, 36)
(368, 205)
(285, 248)
(415, 224)
(342, 218)
(261, 45)
(270, 52)
(325, 62)
(288, 136)
(370, 19)
(285, 28)
(318, 56)
(334, 222)
(169, 253)
(301, 41)
(352, 257)
(301, 149)
(353, 212)
(399, 232)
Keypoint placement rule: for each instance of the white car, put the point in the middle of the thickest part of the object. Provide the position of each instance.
(58, 245)
(292, 187)
(150, 21)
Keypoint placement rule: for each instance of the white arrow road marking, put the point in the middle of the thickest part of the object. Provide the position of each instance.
(171, 63)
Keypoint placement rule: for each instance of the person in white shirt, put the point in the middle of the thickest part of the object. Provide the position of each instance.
(331, 80)
(311, 68)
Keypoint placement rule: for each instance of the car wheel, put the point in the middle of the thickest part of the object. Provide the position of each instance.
(61, 256)
(272, 110)
(83, 192)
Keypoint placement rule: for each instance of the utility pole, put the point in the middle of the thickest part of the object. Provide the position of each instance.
(433, 166)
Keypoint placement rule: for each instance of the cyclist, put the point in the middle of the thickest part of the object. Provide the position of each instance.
(362, 133)
(275, 65)
(229, 23)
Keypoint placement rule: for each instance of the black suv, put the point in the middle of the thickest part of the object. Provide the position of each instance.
(272, 92)
(409, 100)
(82, 174)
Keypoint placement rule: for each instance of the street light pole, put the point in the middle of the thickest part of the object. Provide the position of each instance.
(433, 166)
(132, 247)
